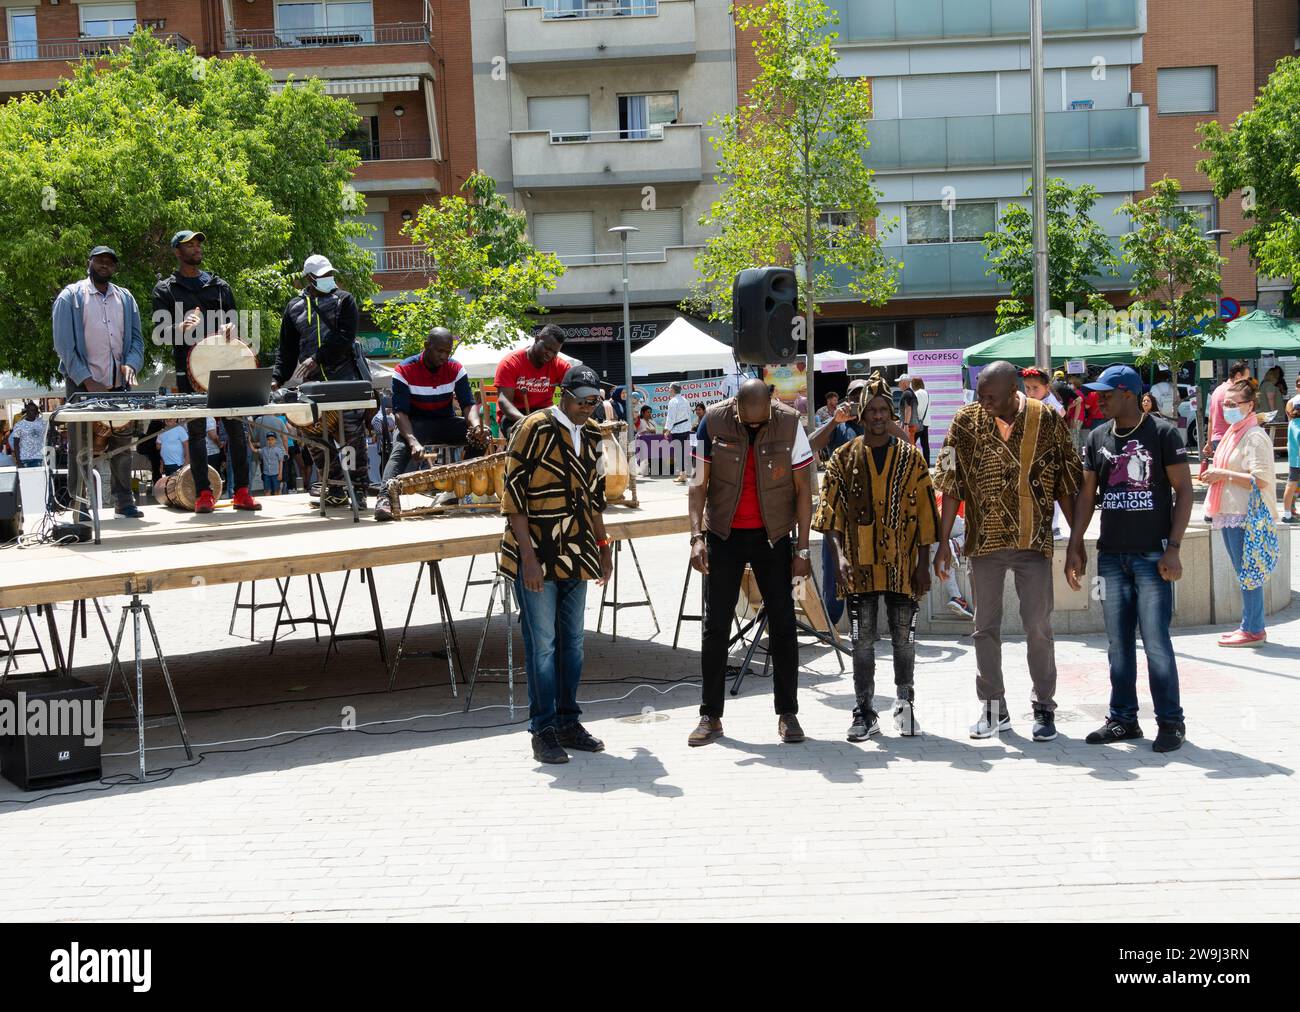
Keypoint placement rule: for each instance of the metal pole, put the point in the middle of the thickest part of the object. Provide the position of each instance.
(1042, 341)
(627, 327)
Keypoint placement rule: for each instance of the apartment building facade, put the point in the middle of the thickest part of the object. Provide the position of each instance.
(591, 115)
(1126, 82)
(403, 63)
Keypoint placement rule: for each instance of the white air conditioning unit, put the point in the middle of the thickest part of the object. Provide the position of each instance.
(1135, 98)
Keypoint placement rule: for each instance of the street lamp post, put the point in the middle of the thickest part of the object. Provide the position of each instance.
(1042, 343)
(622, 231)
(1202, 434)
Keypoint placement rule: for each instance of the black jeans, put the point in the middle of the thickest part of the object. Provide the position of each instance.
(449, 431)
(679, 455)
(236, 446)
(864, 612)
(771, 565)
(923, 442)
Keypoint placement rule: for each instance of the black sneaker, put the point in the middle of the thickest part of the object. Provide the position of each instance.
(577, 737)
(864, 725)
(1170, 738)
(1044, 724)
(1114, 730)
(546, 747)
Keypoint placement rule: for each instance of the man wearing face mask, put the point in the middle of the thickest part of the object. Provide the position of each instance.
(752, 488)
(100, 344)
(318, 341)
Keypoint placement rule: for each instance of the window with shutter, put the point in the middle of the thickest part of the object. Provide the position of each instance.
(1186, 89)
(660, 229)
(570, 235)
(568, 117)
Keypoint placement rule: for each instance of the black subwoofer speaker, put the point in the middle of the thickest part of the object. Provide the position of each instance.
(59, 754)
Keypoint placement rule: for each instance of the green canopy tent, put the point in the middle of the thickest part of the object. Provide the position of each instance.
(1069, 339)
(1251, 335)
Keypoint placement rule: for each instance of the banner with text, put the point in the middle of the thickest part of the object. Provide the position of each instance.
(941, 372)
(657, 395)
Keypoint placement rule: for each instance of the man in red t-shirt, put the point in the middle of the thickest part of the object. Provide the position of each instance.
(526, 379)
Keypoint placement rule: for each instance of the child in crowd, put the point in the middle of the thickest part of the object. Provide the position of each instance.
(1293, 461)
(272, 465)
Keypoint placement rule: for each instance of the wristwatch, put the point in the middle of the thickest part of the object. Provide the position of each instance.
(803, 553)
(697, 537)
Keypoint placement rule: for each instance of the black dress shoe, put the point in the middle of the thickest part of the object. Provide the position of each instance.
(546, 747)
(576, 737)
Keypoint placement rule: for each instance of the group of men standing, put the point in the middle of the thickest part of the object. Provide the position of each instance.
(1007, 457)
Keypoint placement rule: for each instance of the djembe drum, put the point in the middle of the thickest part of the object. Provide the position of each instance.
(218, 351)
(177, 490)
(614, 462)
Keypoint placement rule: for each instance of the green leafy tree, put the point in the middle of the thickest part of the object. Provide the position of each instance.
(1077, 251)
(1176, 276)
(487, 273)
(790, 153)
(158, 140)
(1259, 155)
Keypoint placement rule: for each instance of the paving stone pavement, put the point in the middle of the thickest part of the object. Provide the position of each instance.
(425, 813)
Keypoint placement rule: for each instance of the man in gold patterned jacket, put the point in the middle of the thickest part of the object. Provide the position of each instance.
(878, 513)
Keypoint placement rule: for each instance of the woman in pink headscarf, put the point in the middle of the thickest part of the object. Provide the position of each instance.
(1244, 459)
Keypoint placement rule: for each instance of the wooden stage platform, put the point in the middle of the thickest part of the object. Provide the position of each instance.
(171, 550)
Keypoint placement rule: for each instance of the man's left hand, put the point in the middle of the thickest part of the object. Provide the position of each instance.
(801, 567)
(1170, 565)
(921, 581)
(128, 376)
(606, 565)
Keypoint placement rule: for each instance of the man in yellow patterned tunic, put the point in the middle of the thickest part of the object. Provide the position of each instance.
(878, 513)
(1009, 458)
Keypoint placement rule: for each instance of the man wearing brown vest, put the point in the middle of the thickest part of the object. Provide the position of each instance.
(752, 485)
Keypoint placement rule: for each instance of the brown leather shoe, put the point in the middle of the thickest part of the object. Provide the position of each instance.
(787, 726)
(709, 729)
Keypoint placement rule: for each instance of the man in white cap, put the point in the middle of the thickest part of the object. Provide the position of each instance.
(318, 341)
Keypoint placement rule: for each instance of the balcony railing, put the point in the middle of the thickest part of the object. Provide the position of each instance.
(343, 35)
(1097, 135)
(956, 269)
(400, 259)
(546, 158)
(905, 20)
(553, 10)
(374, 151)
(75, 49)
(602, 259)
(660, 275)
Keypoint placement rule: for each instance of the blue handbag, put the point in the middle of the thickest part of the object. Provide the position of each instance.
(1260, 551)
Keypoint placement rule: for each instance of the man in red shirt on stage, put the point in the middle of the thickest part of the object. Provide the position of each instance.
(526, 379)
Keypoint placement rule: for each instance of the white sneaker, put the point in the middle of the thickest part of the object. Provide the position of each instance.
(446, 499)
(988, 725)
(905, 718)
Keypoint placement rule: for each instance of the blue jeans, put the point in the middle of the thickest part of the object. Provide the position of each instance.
(553, 623)
(1138, 597)
(271, 483)
(1252, 601)
(31, 463)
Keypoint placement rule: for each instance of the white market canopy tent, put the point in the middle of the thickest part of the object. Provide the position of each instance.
(885, 357)
(682, 348)
(831, 361)
(16, 388)
(481, 360)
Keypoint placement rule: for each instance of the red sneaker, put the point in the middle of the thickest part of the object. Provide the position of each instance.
(1241, 638)
(204, 503)
(243, 500)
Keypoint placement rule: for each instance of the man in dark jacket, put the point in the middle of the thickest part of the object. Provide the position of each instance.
(188, 306)
(318, 341)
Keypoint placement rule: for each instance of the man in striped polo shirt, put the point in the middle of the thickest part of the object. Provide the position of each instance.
(424, 387)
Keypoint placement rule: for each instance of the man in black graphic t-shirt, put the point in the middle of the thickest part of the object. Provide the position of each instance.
(1135, 469)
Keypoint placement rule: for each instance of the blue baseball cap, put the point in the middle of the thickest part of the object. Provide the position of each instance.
(1118, 377)
(185, 235)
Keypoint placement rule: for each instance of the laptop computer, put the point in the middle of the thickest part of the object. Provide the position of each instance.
(239, 388)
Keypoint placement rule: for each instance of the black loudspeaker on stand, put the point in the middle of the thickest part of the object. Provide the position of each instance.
(763, 304)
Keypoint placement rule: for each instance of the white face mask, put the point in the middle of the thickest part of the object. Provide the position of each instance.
(1233, 415)
(326, 284)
